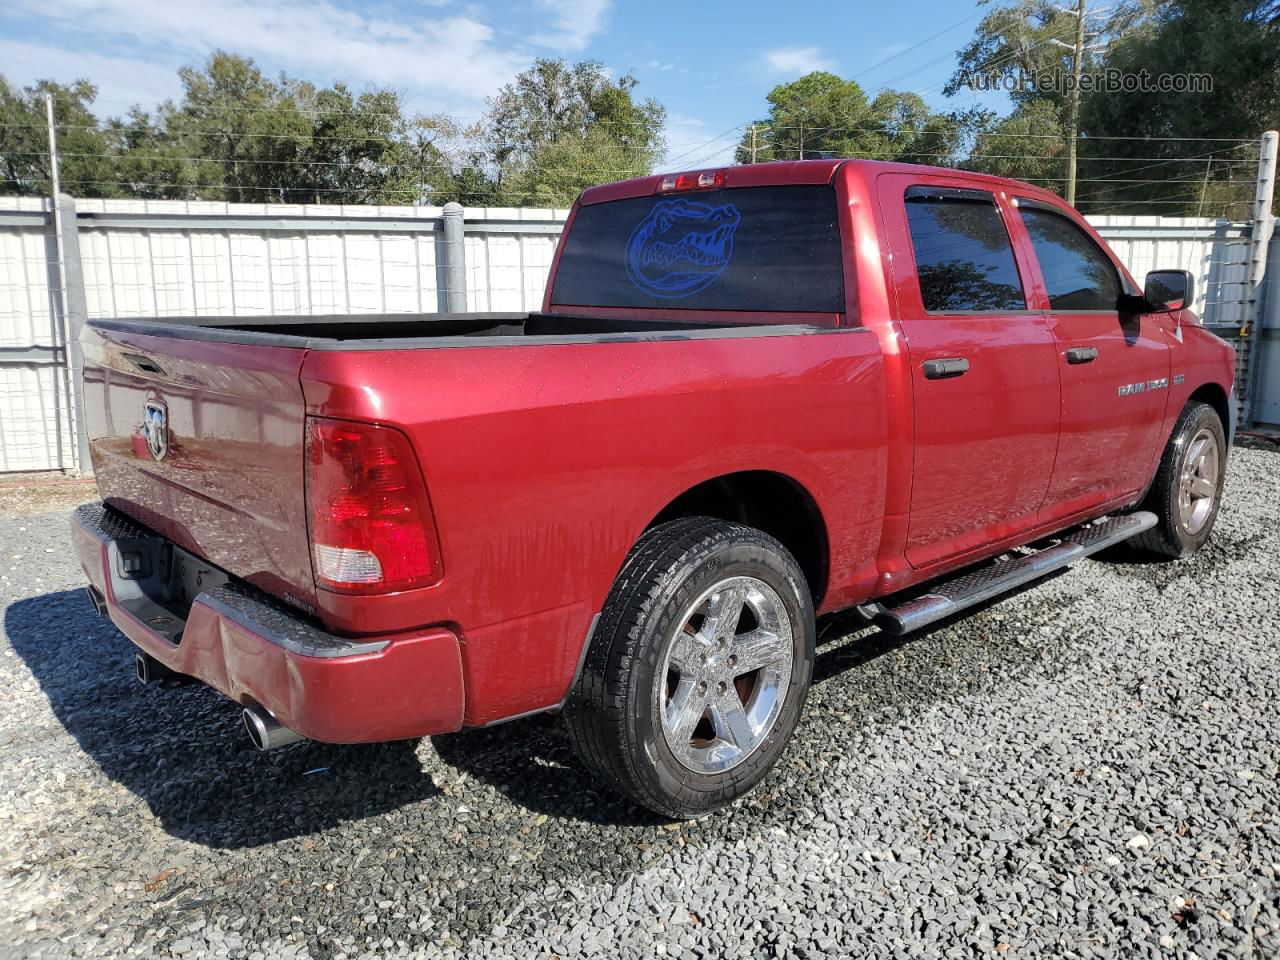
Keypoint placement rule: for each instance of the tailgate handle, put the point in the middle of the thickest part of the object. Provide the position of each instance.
(946, 368)
(1082, 354)
(145, 364)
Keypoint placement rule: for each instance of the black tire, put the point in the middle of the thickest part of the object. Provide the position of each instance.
(1178, 531)
(614, 715)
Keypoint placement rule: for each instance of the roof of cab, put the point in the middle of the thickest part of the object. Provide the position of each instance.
(800, 172)
(749, 175)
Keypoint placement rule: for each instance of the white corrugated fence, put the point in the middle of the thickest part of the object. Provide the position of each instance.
(179, 258)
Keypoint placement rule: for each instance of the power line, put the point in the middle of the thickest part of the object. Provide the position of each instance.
(917, 46)
(764, 125)
(444, 164)
(1028, 136)
(1208, 158)
(996, 61)
(411, 121)
(722, 136)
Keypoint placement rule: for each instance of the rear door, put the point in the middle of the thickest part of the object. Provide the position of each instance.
(984, 367)
(1114, 366)
(202, 441)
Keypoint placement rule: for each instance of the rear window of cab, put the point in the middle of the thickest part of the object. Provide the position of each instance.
(774, 249)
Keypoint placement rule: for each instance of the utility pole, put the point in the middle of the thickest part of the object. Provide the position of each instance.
(1259, 304)
(753, 143)
(64, 323)
(1073, 117)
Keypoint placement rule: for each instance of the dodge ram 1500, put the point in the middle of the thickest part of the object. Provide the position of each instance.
(752, 395)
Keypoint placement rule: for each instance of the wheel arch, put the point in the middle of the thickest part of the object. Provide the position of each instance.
(769, 501)
(1216, 396)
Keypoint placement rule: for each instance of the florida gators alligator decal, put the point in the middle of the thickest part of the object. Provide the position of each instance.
(681, 247)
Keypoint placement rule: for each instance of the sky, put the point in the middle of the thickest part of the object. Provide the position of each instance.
(710, 64)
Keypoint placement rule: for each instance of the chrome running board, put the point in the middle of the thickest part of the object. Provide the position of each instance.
(971, 587)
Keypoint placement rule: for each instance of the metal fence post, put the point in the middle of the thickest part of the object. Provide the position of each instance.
(74, 420)
(455, 263)
(76, 311)
(1263, 228)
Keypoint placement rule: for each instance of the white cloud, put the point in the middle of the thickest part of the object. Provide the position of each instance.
(122, 82)
(574, 22)
(445, 62)
(797, 61)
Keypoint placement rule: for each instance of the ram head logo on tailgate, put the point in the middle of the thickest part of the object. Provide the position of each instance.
(681, 247)
(155, 427)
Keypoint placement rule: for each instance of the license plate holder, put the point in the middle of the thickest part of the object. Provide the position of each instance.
(191, 576)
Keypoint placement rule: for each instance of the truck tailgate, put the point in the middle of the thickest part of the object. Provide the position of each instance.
(219, 471)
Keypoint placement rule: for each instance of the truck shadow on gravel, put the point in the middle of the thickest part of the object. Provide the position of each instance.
(182, 749)
(514, 814)
(861, 675)
(1211, 560)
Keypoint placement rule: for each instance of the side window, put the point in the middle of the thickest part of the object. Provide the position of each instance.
(964, 257)
(1077, 273)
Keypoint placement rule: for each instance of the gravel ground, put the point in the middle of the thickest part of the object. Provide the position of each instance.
(24, 493)
(1086, 769)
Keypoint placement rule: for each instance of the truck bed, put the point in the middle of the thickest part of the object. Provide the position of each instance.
(406, 330)
(543, 460)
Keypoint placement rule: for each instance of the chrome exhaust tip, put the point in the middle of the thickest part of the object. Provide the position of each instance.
(97, 600)
(150, 670)
(265, 731)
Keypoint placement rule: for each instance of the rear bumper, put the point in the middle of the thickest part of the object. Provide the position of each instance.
(252, 649)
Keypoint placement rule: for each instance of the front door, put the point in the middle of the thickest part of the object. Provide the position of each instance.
(1114, 366)
(984, 368)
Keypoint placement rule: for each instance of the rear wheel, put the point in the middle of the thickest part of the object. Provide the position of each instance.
(699, 668)
(1187, 491)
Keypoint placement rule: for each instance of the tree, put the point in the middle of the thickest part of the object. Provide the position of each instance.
(242, 131)
(1182, 146)
(911, 132)
(1024, 48)
(447, 160)
(254, 139)
(1012, 46)
(558, 129)
(1176, 145)
(361, 149)
(24, 140)
(821, 115)
(236, 134)
(1028, 144)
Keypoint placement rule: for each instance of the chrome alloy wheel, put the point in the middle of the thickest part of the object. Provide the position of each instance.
(725, 675)
(1198, 482)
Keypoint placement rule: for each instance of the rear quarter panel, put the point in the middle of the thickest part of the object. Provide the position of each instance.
(545, 463)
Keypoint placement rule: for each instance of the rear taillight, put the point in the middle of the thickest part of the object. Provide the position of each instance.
(371, 524)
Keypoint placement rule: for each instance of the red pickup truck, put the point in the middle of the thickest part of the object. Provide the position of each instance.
(752, 395)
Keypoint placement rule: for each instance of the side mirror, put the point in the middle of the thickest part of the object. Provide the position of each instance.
(1169, 290)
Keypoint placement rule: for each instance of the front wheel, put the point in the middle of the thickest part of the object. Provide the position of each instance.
(1187, 491)
(698, 671)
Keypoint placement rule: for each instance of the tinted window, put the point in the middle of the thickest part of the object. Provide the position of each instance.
(1079, 276)
(963, 254)
(753, 248)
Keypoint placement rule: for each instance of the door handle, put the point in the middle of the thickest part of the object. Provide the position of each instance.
(946, 368)
(1082, 354)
